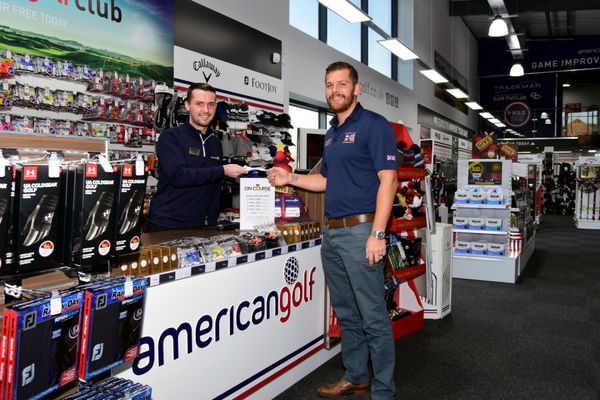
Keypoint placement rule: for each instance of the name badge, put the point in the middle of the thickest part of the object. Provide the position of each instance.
(194, 151)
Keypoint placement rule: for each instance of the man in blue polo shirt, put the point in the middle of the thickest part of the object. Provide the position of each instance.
(190, 168)
(359, 179)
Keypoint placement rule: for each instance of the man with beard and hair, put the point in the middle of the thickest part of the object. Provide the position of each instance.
(359, 178)
(190, 168)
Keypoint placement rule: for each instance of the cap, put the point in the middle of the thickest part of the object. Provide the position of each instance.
(283, 120)
(287, 139)
(265, 117)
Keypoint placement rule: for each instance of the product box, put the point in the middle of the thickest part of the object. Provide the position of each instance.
(476, 223)
(40, 344)
(493, 224)
(462, 247)
(91, 222)
(496, 249)
(479, 248)
(461, 197)
(494, 198)
(130, 192)
(7, 195)
(477, 198)
(112, 325)
(461, 223)
(38, 215)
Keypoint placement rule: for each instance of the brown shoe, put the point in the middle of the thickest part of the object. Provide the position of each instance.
(342, 388)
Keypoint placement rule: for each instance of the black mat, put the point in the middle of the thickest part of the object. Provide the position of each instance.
(537, 339)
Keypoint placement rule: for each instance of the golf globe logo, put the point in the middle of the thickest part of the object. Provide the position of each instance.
(230, 319)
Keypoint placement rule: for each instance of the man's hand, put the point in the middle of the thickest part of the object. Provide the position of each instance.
(278, 176)
(375, 250)
(233, 170)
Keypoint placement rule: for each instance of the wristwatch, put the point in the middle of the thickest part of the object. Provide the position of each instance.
(379, 235)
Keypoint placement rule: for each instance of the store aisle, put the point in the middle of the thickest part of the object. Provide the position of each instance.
(537, 339)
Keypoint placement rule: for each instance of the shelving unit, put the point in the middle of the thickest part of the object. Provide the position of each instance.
(492, 255)
(587, 193)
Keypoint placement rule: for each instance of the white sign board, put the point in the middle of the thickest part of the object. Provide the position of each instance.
(257, 203)
(225, 334)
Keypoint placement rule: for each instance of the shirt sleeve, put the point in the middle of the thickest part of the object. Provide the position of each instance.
(382, 144)
(172, 165)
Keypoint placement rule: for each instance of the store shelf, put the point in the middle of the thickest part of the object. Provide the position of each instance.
(401, 224)
(411, 173)
(186, 272)
(147, 148)
(410, 272)
(21, 140)
(481, 231)
(587, 223)
(483, 206)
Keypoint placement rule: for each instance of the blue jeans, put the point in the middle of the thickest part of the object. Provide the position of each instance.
(357, 294)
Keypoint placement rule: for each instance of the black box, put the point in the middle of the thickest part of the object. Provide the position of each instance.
(7, 195)
(131, 190)
(37, 234)
(91, 220)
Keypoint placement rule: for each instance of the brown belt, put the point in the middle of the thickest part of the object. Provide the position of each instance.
(350, 220)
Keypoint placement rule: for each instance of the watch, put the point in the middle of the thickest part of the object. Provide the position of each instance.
(379, 235)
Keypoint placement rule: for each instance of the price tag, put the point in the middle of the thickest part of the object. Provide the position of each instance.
(53, 166)
(210, 267)
(251, 257)
(154, 280)
(181, 273)
(105, 164)
(139, 165)
(128, 287)
(231, 262)
(55, 304)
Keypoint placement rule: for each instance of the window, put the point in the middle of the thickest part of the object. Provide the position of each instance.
(301, 118)
(304, 15)
(380, 58)
(342, 35)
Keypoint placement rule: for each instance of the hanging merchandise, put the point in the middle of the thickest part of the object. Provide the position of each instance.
(6, 212)
(40, 339)
(130, 192)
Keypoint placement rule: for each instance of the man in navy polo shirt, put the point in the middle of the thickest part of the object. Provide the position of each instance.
(359, 178)
(190, 168)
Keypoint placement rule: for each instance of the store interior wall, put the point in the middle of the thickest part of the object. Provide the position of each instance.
(304, 58)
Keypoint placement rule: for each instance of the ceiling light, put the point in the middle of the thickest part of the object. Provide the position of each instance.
(434, 76)
(346, 10)
(500, 125)
(591, 151)
(459, 94)
(396, 47)
(498, 27)
(524, 152)
(517, 70)
(494, 120)
(562, 151)
(486, 115)
(544, 115)
(473, 105)
(566, 85)
(548, 122)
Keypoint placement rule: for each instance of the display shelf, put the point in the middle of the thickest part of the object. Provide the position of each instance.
(147, 148)
(401, 224)
(587, 223)
(480, 231)
(407, 325)
(411, 173)
(26, 140)
(410, 272)
(482, 206)
(186, 272)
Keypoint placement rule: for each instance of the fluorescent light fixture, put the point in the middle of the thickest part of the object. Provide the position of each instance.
(544, 115)
(500, 125)
(346, 10)
(396, 47)
(566, 85)
(494, 120)
(591, 151)
(459, 94)
(434, 76)
(562, 151)
(486, 115)
(548, 122)
(473, 105)
(517, 70)
(498, 27)
(524, 152)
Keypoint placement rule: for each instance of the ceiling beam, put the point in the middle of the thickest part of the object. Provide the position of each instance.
(478, 7)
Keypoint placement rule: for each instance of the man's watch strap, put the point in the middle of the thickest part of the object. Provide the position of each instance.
(380, 235)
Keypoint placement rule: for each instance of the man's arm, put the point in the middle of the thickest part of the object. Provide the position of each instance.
(388, 184)
(280, 177)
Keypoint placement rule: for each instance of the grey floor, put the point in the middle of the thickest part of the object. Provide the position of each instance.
(536, 339)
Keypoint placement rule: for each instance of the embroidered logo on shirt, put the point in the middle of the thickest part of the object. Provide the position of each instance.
(194, 151)
(328, 142)
(349, 137)
(391, 158)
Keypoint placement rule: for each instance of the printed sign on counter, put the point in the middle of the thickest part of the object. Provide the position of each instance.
(257, 202)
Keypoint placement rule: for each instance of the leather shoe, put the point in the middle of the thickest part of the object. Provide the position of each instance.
(342, 388)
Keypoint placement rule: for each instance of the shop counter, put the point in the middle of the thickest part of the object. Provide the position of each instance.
(245, 327)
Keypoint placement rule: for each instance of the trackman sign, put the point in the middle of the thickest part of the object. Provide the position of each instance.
(228, 321)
